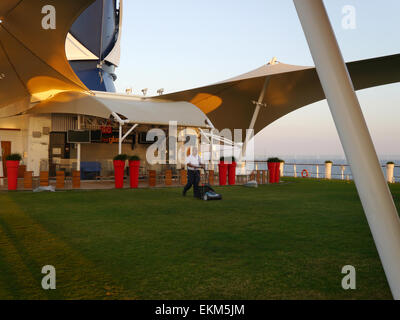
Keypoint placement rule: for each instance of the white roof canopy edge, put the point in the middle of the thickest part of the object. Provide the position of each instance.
(131, 108)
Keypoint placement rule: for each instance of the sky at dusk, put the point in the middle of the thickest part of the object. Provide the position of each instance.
(182, 44)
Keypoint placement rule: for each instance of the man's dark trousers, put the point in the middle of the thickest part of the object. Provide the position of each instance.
(193, 177)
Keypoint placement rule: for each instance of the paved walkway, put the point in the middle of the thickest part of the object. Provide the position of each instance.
(104, 184)
(88, 185)
(94, 185)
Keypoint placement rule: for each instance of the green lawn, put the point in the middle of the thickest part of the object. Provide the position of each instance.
(286, 241)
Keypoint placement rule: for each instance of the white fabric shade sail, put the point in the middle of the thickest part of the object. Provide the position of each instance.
(33, 63)
(230, 103)
(77, 51)
(134, 109)
(34, 68)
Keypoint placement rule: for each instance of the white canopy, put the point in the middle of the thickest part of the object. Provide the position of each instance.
(135, 109)
(230, 103)
(33, 63)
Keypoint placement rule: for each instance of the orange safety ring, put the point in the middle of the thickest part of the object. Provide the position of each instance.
(304, 172)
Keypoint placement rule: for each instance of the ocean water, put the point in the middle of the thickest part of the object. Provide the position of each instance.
(310, 164)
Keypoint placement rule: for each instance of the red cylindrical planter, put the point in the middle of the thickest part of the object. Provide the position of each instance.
(134, 173)
(223, 168)
(277, 172)
(271, 171)
(12, 174)
(232, 173)
(119, 166)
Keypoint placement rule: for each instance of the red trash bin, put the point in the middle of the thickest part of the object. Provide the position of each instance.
(232, 173)
(223, 168)
(12, 174)
(119, 166)
(134, 166)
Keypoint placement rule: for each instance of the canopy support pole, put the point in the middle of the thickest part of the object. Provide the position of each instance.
(372, 188)
(211, 142)
(258, 104)
(121, 123)
(78, 148)
(120, 139)
(212, 149)
(210, 137)
(129, 132)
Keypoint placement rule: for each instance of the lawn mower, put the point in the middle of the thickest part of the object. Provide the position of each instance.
(206, 192)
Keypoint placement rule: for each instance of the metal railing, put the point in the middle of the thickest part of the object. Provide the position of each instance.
(243, 171)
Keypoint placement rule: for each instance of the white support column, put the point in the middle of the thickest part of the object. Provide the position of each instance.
(120, 122)
(389, 172)
(78, 148)
(317, 172)
(120, 139)
(210, 124)
(294, 171)
(281, 168)
(212, 149)
(328, 170)
(372, 188)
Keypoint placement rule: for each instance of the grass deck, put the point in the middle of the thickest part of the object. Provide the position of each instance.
(287, 241)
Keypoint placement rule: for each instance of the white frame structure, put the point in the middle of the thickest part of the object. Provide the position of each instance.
(121, 123)
(372, 188)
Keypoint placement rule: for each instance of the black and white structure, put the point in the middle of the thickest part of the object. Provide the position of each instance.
(93, 44)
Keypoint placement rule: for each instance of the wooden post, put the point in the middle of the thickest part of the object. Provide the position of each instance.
(168, 177)
(263, 177)
(28, 179)
(21, 170)
(76, 179)
(211, 177)
(258, 177)
(183, 177)
(60, 180)
(44, 179)
(152, 178)
(252, 176)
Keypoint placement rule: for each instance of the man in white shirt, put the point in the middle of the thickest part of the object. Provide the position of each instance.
(193, 173)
